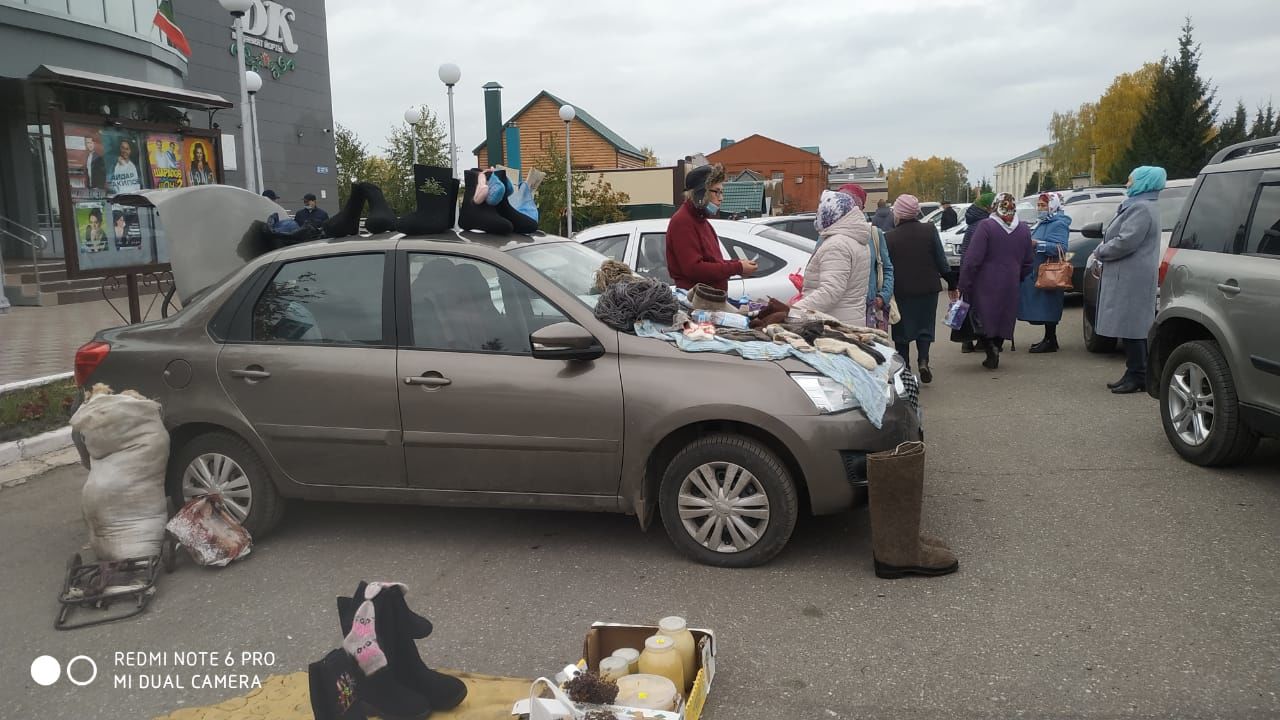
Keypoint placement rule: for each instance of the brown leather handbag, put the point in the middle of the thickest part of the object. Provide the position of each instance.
(1054, 274)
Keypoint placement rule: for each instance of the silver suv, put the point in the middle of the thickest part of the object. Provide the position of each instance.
(1214, 346)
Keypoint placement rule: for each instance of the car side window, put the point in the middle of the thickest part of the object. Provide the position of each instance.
(1264, 226)
(467, 305)
(738, 250)
(803, 228)
(651, 260)
(613, 247)
(1216, 221)
(329, 300)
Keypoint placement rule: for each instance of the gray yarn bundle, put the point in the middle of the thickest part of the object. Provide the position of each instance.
(624, 304)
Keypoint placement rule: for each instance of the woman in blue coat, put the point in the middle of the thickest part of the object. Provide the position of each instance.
(1044, 307)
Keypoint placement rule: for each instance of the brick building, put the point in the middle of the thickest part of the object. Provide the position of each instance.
(802, 171)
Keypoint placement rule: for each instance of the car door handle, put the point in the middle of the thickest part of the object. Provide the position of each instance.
(251, 374)
(1229, 287)
(431, 381)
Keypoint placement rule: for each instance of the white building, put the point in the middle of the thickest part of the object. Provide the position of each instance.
(1013, 175)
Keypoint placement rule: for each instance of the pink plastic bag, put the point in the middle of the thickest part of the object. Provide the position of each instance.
(797, 279)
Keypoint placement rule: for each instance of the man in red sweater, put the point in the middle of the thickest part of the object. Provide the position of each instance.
(693, 249)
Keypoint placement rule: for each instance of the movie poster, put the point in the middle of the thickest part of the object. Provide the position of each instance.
(92, 227)
(164, 158)
(198, 158)
(123, 158)
(86, 162)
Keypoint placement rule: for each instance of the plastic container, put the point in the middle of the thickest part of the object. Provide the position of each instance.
(613, 668)
(632, 656)
(660, 658)
(677, 629)
(650, 692)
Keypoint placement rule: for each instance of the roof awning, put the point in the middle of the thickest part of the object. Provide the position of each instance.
(67, 77)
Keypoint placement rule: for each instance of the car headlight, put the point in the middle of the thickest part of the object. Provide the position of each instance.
(950, 248)
(826, 394)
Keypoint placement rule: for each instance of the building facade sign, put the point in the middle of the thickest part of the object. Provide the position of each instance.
(267, 30)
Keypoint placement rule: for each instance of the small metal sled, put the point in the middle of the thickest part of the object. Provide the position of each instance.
(97, 586)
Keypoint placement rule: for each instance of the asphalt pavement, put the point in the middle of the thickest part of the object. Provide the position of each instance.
(1100, 576)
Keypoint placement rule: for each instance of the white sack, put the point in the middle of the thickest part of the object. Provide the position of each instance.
(123, 501)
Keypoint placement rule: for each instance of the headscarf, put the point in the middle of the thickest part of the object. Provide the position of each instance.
(1147, 178)
(855, 191)
(906, 207)
(1005, 211)
(1053, 200)
(985, 200)
(831, 207)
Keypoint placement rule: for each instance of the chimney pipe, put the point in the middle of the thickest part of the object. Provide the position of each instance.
(493, 122)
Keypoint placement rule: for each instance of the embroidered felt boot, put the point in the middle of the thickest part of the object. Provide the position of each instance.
(895, 489)
(397, 627)
(480, 215)
(381, 217)
(347, 221)
(335, 694)
(436, 191)
(520, 222)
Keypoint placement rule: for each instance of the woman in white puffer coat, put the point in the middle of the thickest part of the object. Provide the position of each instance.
(837, 276)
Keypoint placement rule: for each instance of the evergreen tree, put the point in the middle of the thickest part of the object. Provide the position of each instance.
(1049, 182)
(1033, 185)
(1176, 131)
(985, 188)
(1234, 129)
(1264, 123)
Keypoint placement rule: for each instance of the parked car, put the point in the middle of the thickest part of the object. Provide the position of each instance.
(1070, 197)
(801, 224)
(383, 369)
(1214, 359)
(642, 244)
(1172, 199)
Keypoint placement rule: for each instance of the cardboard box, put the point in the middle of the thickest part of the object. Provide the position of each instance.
(604, 638)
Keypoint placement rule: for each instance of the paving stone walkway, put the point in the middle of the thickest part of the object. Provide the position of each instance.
(40, 341)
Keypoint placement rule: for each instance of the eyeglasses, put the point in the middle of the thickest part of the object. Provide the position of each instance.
(717, 193)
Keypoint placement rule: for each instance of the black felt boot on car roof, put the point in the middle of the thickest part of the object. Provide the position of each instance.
(520, 222)
(347, 220)
(480, 216)
(436, 191)
(381, 217)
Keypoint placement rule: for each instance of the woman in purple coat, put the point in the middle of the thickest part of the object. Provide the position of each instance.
(1000, 255)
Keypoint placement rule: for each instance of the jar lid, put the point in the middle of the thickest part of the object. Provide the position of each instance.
(628, 654)
(672, 624)
(613, 662)
(653, 692)
(659, 642)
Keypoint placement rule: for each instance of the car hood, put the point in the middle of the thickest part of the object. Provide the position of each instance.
(209, 229)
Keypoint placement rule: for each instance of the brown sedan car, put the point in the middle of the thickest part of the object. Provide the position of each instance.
(465, 369)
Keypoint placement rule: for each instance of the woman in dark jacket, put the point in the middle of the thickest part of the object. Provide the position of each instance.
(920, 265)
(974, 214)
(999, 257)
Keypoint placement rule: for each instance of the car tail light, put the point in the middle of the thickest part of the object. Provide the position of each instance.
(88, 358)
(1164, 265)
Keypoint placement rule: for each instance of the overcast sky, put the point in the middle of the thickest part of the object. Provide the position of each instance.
(973, 80)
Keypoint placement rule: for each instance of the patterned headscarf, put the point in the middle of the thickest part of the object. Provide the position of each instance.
(1005, 206)
(1052, 199)
(832, 207)
(906, 207)
(1147, 178)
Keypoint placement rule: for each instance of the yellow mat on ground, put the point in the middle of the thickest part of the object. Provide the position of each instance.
(288, 697)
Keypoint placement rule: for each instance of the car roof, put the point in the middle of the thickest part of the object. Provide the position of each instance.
(660, 225)
(770, 219)
(383, 242)
(1254, 161)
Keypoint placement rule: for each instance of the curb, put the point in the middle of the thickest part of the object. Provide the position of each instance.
(33, 447)
(34, 382)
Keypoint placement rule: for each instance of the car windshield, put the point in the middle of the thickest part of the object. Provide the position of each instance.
(1171, 201)
(1101, 210)
(567, 264)
(789, 239)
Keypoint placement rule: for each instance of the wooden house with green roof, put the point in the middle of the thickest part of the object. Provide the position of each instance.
(594, 145)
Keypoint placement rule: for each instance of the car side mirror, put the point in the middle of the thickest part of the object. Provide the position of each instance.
(1092, 230)
(565, 341)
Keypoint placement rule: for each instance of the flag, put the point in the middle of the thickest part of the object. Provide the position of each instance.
(164, 21)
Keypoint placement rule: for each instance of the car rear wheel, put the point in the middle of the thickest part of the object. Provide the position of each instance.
(1093, 342)
(727, 501)
(221, 463)
(1199, 407)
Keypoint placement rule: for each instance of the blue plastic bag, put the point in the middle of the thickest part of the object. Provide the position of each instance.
(522, 200)
(497, 190)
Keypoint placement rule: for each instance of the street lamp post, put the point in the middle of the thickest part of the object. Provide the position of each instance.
(566, 114)
(253, 83)
(1093, 158)
(413, 116)
(238, 8)
(450, 74)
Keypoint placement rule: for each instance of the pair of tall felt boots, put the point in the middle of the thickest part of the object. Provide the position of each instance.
(436, 193)
(895, 495)
(497, 218)
(346, 222)
(403, 688)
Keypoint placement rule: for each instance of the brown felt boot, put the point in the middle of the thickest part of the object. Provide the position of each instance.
(895, 490)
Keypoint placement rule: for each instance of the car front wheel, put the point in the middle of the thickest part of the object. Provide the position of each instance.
(1093, 342)
(728, 501)
(1199, 407)
(223, 464)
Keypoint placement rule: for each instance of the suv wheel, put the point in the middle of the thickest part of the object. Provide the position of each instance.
(219, 462)
(1093, 342)
(1199, 407)
(727, 501)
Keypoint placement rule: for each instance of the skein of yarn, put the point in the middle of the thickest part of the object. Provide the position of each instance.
(610, 272)
(624, 304)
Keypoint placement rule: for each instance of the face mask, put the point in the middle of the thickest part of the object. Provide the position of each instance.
(712, 208)
(1043, 214)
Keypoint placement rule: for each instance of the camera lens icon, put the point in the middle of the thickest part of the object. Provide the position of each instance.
(45, 670)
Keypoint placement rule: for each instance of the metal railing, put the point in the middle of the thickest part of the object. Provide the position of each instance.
(35, 240)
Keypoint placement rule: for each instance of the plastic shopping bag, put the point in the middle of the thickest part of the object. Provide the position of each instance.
(956, 313)
(212, 536)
